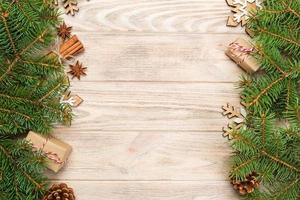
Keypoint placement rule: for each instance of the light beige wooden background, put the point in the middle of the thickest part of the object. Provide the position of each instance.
(150, 126)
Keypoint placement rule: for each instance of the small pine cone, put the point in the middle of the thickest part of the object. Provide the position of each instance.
(59, 192)
(247, 186)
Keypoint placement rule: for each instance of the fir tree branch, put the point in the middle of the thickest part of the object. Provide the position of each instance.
(16, 187)
(27, 30)
(249, 143)
(280, 36)
(16, 98)
(18, 56)
(265, 146)
(15, 112)
(265, 90)
(288, 94)
(8, 34)
(278, 196)
(291, 10)
(246, 162)
(39, 38)
(263, 54)
(50, 92)
(276, 159)
(36, 103)
(41, 64)
(10, 5)
(22, 10)
(297, 113)
(37, 185)
(263, 130)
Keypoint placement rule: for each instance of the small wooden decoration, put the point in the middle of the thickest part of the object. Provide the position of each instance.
(71, 7)
(230, 111)
(71, 47)
(239, 115)
(72, 99)
(242, 10)
(230, 130)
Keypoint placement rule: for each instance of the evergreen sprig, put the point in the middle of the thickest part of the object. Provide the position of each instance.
(269, 144)
(273, 153)
(21, 171)
(31, 83)
(277, 41)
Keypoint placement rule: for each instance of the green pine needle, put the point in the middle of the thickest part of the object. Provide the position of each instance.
(270, 145)
(31, 86)
(31, 83)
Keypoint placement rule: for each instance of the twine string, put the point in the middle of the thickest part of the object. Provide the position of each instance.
(61, 59)
(244, 51)
(50, 155)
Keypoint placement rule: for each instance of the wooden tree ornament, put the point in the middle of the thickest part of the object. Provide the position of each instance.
(72, 99)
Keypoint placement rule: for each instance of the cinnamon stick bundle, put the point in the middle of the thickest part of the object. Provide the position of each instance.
(71, 47)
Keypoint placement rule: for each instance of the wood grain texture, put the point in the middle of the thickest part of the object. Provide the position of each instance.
(158, 57)
(153, 190)
(163, 106)
(171, 16)
(150, 125)
(147, 156)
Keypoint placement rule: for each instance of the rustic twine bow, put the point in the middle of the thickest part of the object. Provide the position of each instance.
(62, 59)
(50, 155)
(244, 51)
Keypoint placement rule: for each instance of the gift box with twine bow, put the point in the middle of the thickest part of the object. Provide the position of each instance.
(240, 51)
(55, 151)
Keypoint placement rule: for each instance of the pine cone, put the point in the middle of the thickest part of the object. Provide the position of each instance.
(247, 186)
(59, 192)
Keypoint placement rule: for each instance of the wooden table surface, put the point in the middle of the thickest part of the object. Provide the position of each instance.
(150, 125)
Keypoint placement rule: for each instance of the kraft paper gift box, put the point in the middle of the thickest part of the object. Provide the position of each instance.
(56, 151)
(240, 51)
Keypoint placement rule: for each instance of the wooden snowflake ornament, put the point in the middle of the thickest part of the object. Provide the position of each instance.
(231, 130)
(230, 111)
(71, 7)
(242, 9)
(238, 115)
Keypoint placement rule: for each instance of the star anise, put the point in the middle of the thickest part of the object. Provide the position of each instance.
(64, 31)
(77, 70)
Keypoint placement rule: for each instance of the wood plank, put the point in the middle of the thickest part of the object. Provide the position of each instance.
(100, 155)
(142, 131)
(118, 190)
(141, 106)
(148, 57)
(189, 16)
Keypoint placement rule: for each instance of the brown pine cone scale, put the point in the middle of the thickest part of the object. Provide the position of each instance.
(247, 186)
(59, 192)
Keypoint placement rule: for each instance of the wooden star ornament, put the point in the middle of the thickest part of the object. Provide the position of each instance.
(77, 70)
(64, 31)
